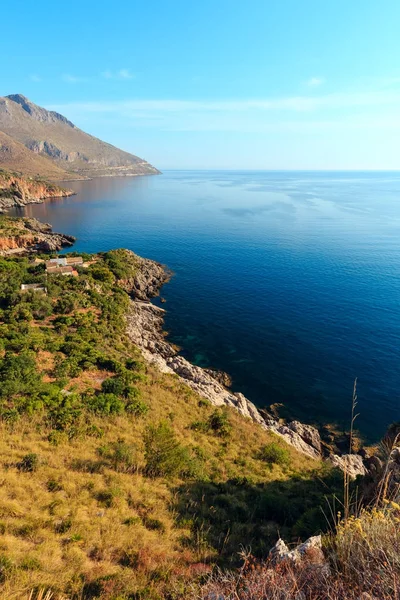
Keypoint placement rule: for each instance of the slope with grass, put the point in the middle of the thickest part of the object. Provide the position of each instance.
(119, 481)
(14, 156)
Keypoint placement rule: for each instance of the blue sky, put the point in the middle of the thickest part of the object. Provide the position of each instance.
(262, 84)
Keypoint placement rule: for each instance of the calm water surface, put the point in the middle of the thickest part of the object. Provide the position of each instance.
(290, 282)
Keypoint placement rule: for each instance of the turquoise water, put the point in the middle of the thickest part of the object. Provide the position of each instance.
(289, 281)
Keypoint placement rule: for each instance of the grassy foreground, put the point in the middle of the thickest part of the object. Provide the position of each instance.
(117, 481)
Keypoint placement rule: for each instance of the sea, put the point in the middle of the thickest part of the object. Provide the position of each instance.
(287, 281)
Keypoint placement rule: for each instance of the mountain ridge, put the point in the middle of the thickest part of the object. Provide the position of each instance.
(50, 136)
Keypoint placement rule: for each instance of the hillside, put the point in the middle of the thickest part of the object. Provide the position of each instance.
(119, 481)
(49, 135)
(15, 157)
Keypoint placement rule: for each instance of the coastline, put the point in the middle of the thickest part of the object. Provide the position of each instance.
(18, 191)
(145, 327)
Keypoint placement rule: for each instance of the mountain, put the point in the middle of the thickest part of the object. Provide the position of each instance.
(49, 135)
(15, 157)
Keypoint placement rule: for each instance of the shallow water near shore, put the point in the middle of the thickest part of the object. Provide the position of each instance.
(288, 281)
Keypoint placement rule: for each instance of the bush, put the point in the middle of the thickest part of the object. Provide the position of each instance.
(29, 463)
(106, 404)
(121, 456)
(273, 453)
(164, 456)
(137, 407)
(218, 422)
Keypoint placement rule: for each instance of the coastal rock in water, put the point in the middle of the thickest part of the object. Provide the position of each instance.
(150, 276)
(29, 235)
(222, 378)
(145, 328)
(352, 464)
(17, 190)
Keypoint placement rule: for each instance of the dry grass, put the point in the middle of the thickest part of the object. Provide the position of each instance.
(362, 563)
(77, 519)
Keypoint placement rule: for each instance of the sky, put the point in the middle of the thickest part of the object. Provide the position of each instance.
(217, 84)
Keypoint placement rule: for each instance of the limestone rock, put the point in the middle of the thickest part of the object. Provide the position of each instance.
(311, 547)
(350, 463)
(308, 433)
(294, 439)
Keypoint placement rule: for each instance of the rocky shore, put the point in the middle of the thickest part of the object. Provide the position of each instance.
(145, 323)
(30, 235)
(17, 190)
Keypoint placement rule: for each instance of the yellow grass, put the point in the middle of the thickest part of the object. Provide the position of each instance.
(61, 532)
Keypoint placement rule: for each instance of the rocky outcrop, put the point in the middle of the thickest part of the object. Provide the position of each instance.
(17, 190)
(352, 464)
(149, 277)
(294, 438)
(29, 235)
(310, 549)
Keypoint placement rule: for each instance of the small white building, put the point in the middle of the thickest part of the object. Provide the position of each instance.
(33, 287)
(60, 261)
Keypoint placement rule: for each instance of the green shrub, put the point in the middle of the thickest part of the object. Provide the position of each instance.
(153, 524)
(121, 456)
(6, 566)
(63, 526)
(28, 463)
(164, 455)
(106, 404)
(53, 485)
(218, 422)
(137, 407)
(273, 453)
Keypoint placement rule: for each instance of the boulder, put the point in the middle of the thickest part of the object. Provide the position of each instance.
(307, 433)
(311, 548)
(294, 439)
(352, 464)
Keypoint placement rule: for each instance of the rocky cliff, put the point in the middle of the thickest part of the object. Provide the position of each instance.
(23, 235)
(18, 190)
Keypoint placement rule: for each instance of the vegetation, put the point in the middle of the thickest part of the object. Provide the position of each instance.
(118, 482)
(361, 562)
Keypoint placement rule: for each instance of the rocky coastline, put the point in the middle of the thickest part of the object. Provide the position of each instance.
(19, 236)
(145, 327)
(18, 190)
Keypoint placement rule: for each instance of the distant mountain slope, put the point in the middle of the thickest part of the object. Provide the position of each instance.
(50, 135)
(15, 157)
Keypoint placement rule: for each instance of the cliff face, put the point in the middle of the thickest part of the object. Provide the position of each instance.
(25, 235)
(17, 190)
(14, 156)
(49, 135)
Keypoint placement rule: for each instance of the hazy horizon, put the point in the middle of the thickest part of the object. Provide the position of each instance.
(261, 86)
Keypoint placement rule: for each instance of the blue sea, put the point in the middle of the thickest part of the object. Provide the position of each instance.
(288, 281)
